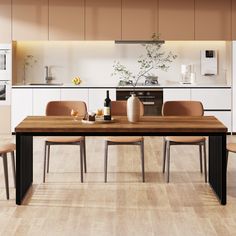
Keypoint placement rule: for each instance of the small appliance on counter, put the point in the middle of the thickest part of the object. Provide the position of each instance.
(187, 74)
(209, 62)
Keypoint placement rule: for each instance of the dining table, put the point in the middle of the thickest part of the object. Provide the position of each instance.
(208, 126)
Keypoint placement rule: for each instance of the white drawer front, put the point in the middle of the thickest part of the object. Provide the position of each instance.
(176, 94)
(218, 99)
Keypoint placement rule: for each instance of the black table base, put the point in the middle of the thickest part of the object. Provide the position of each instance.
(216, 166)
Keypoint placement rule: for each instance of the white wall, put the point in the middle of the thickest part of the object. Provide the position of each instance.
(234, 86)
(93, 61)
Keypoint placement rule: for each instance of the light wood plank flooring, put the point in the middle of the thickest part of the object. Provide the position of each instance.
(124, 205)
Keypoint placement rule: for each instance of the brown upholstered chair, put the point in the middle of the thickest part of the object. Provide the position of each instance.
(4, 150)
(63, 108)
(231, 147)
(183, 108)
(118, 108)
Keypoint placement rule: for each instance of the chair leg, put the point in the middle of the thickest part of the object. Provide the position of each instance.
(142, 160)
(200, 156)
(4, 158)
(13, 167)
(227, 156)
(164, 156)
(44, 162)
(168, 161)
(48, 158)
(84, 153)
(205, 163)
(81, 164)
(105, 161)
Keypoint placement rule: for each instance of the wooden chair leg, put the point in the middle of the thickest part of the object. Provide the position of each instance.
(44, 162)
(81, 164)
(13, 167)
(84, 154)
(48, 158)
(142, 160)
(168, 161)
(4, 158)
(200, 156)
(205, 163)
(105, 161)
(164, 156)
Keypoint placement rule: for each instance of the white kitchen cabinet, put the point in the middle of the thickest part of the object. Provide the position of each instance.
(214, 99)
(21, 106)
(223, 116)
(97, 96)
(75, 95)
(41, 97)
(176, 94)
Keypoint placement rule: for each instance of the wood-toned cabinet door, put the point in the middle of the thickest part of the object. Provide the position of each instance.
(212, 19)
(30, 19)
(176, 19)
(66, 20)
(5, 21)
(139, 19)
(233, 19)
(102, 19)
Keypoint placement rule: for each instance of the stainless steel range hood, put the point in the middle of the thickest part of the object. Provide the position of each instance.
(139, 41)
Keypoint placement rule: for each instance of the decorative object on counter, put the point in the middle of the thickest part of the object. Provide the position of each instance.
(133, 108)
(29, 61)
(76, 80)
(154, 59)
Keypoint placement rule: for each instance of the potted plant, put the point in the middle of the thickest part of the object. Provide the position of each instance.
(152, 60)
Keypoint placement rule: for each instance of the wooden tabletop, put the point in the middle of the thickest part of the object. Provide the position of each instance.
(147, 124)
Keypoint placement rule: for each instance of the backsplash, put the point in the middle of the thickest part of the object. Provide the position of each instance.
(93, 61)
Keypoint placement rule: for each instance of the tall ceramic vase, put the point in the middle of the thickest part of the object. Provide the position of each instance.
(133, 108)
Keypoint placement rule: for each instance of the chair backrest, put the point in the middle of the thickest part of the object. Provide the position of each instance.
(182, 108)
(63, 108)
(119, 108)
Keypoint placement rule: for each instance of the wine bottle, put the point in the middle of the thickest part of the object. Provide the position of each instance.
(107, 107)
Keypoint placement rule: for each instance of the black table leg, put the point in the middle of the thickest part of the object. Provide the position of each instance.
(24, 165)
(217, 166)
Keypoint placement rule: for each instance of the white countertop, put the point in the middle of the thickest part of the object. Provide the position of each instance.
(164, 85)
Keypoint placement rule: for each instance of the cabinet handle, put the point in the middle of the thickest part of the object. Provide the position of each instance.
(148, 103)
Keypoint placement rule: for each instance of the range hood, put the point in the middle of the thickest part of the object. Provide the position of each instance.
(139, 41)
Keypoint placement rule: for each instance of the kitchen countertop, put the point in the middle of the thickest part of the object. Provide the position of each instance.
(164, 85)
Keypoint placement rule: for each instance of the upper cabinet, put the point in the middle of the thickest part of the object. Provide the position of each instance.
(139, 19)
(233, 20)
(66, 20)
(5, 21)
(212, 19)
(102, 19)
(176, 19)
(30, 19)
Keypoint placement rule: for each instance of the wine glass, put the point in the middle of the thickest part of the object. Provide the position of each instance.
(74, 114)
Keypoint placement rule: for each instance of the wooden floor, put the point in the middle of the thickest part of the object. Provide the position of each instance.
(124, 205)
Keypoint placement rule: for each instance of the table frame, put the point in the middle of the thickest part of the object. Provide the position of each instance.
(216, 158)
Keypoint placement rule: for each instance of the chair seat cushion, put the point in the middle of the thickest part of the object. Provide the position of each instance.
(231, 147)
(10, 147)
(185, 139)
(64, 139)
(124, 139)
